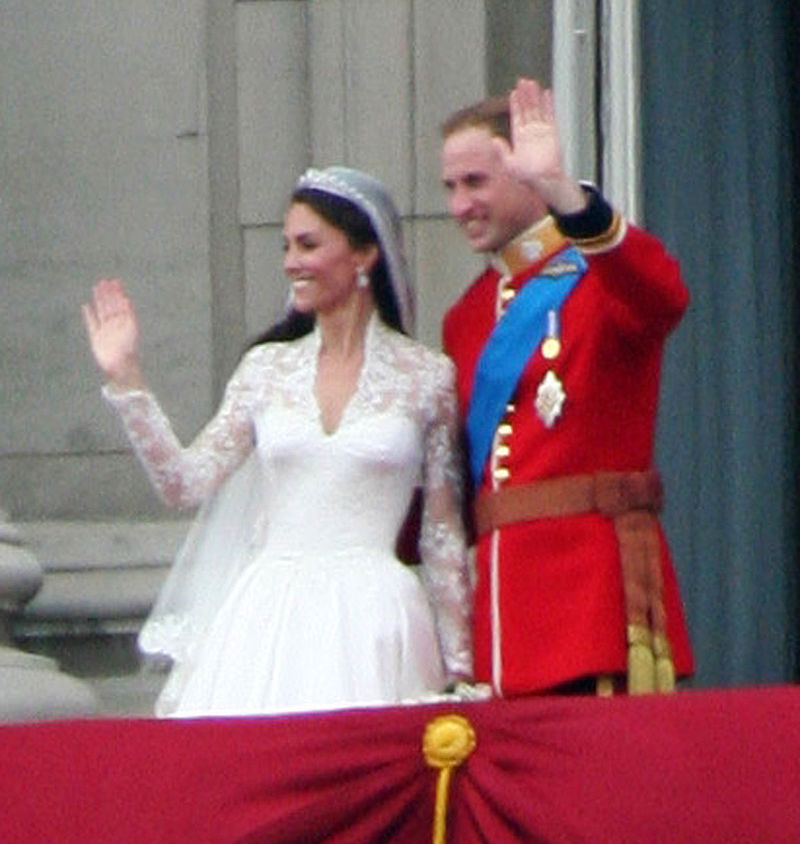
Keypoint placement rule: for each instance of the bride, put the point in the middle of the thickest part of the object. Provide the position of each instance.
(287, 594)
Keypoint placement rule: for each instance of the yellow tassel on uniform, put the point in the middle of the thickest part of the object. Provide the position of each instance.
(665, 668)
(641, 662)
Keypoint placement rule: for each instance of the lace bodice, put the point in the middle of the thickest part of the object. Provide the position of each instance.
(332, 492)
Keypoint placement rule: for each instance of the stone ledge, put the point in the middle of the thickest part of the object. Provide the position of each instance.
(34, 695)
(99, 577)
(91, 601)
(33, 689)
(62, 545)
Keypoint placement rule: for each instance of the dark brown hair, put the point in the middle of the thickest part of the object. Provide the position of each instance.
(357, 228)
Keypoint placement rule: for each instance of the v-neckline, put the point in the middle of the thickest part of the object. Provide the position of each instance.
(331, 433)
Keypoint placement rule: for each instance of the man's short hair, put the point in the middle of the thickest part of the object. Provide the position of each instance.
(492, 113)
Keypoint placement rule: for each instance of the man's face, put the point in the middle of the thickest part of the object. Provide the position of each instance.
(490, 205)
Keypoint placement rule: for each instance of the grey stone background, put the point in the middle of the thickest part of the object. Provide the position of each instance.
(158, 141)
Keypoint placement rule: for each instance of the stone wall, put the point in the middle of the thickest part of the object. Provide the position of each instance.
(159, 141)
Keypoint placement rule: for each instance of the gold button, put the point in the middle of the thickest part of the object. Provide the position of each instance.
(507, 294)
(501, 473)
(504, 429)
(502, 451)
(510, 408)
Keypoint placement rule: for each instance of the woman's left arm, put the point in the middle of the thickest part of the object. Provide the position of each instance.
(442, 536)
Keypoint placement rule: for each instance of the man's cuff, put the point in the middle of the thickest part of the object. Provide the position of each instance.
(593, 221)
(597, 228)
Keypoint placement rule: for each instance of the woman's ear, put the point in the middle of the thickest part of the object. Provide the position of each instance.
(369, 257)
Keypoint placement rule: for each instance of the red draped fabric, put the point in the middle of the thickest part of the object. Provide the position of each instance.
(697, 766)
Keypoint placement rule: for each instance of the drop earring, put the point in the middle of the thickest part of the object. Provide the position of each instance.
(362, 279)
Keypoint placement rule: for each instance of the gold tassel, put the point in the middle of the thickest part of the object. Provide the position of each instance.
(641, 663)
(605, 686)
(447, 742)
(665, 668)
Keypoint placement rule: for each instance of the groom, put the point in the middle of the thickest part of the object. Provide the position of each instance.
(558, 346)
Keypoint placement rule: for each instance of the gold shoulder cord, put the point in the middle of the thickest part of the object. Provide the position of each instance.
(448, 740)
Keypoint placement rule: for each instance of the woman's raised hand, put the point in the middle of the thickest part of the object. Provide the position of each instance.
(114, 333)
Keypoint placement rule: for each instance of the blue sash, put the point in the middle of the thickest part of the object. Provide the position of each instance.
(510, 346)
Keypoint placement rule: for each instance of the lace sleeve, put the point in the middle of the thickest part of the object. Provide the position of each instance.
(442, 540)
(186, 476)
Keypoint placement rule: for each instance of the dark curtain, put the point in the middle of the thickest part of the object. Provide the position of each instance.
(720, 177)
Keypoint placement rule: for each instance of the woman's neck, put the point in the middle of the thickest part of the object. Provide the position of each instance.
(342, 333)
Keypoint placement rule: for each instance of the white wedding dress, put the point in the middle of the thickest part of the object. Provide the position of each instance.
(289, 597)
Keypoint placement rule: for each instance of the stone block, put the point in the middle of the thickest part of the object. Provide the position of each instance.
(32, 689)
(267, 289)
(272, 103)
(449, 71)
(444, 266)
(361, 106)
(98, 577)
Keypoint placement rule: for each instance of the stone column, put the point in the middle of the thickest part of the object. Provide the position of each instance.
(31, 687)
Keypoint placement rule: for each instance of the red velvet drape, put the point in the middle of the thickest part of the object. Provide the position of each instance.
(697, 766)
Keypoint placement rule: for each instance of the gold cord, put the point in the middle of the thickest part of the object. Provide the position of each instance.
(448, 740)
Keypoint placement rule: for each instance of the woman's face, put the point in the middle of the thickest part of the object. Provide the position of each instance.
(319, 261)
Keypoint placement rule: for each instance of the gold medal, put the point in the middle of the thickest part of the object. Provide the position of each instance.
(551, 347)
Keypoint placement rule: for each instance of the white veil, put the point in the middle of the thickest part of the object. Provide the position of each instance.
(368, 194)
(231, 526)
(227, 531)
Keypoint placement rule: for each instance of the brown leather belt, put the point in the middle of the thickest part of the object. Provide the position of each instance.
(609, 493)
(630, 500)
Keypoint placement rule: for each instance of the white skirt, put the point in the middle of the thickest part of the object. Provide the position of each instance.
(293, 634)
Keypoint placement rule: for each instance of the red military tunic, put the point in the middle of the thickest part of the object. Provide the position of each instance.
(549, 605)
